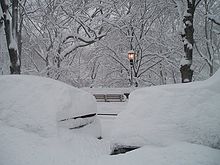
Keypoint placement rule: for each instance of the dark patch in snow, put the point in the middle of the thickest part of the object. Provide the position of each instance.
(107, 114)
(123, 149)
(79, 126)
(77, 117)
(127, 95)
(100, 138)
(83, 125)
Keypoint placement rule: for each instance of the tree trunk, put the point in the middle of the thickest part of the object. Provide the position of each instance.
(11, 28)
(187, 38)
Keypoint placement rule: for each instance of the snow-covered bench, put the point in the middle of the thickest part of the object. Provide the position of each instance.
(109, 97)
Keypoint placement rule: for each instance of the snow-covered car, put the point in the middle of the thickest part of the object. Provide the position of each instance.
(46, 106)
(43, 121)
(167, 114)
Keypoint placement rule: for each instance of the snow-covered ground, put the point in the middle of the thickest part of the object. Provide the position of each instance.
(173, 124)
(107, 121)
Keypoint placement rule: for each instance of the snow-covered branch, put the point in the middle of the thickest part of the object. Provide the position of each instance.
(84, 42)
(214, 18)
(1, 18)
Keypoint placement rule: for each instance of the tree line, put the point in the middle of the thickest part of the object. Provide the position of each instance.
(85, 43)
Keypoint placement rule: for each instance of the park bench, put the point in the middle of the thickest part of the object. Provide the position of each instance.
(109, 97)
(100, 97)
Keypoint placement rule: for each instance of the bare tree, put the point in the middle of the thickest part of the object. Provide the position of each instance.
(141, 26)
(11, 31)
(207, 42)
(186, 11)
(57, 29)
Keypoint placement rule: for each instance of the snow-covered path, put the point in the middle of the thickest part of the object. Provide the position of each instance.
(111, 107)
(107, 121)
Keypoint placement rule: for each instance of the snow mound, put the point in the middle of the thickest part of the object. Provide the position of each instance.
(42, 105)
(165, 114)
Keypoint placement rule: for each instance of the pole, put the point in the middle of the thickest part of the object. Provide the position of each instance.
(131, 76)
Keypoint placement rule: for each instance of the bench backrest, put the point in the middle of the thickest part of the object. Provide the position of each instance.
(109, 97)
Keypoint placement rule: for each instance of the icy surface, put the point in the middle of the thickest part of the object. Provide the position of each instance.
(163, 115)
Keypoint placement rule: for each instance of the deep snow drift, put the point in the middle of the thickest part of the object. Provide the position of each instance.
(163, 115)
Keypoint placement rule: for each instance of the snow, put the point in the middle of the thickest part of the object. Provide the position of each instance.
(188, 23)
(18, 147)
(36, 104)
(186, 14)
(184, 61)
(181, 29)
(164, 115)
(30, 133)
(189, 46)
(1, 13)
(165, 121)
(186, 42)
(13, 44)
(176, 154)
(111, 107)
(107, 121)
(186, 80)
